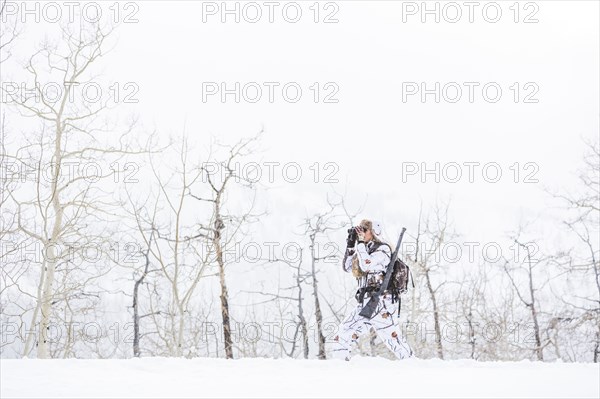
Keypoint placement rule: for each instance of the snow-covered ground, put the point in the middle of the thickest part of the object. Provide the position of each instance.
(362, 377)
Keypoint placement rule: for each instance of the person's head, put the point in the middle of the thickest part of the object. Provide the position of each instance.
(372, 229)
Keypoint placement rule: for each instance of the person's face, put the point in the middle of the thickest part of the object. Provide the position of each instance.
(368, 235)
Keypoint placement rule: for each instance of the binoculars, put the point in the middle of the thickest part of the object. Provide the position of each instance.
(353, 235)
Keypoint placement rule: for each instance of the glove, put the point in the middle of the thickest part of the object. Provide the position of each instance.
(360, 234)
(351, 240)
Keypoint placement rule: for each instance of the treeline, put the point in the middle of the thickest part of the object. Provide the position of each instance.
(117, 243)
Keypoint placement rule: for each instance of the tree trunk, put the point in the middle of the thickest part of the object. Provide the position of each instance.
(46, 299)
(597, 348)
(536, 327)
(597, 272)
(218, 227)
(318, 314)
(136, 313)
(471, 334)
(436, 317)
(303, 326)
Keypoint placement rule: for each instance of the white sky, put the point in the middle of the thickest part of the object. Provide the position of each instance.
(170, 52)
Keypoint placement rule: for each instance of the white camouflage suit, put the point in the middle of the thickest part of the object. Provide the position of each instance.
(384, 320)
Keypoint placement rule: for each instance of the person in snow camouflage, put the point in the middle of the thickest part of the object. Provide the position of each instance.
(367, 257)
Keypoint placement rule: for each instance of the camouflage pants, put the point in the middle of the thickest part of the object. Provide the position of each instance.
(385, 323)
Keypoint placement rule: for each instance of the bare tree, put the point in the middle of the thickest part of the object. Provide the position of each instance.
(300, 276)
(9, 32)
(290, 296)
(64, 204)
(316, 226)
(433, 235)
(136, 298)
(171, 246)
(219, 184)
(10, 272)
(529, 299)
(583, 221)
(470, 298)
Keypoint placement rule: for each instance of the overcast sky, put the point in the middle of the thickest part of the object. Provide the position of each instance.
(367, 62)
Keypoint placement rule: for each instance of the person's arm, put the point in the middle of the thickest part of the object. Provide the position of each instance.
(347, 262)
(350, 244)
(378, 261)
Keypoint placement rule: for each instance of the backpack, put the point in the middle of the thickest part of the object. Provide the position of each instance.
(400, 275)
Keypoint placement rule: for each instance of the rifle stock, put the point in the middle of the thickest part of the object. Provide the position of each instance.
(371, 306)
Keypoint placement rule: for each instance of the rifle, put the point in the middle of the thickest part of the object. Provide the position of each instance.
(371, 306)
